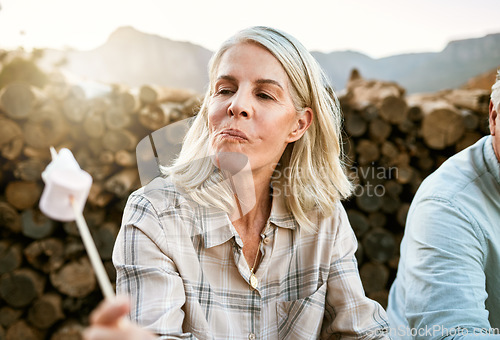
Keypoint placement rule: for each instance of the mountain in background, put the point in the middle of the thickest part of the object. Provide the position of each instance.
(135, 58)
(482, 81)
(419, 72)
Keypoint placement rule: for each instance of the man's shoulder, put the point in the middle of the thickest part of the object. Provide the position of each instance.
(457, 175)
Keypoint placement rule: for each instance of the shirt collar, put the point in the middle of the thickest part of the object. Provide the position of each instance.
(217, 227)
(491, 159)
(280, 215)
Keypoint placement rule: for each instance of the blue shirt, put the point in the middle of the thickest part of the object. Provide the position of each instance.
(448, 281)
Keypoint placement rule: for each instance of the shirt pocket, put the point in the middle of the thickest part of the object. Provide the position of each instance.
(301, 319)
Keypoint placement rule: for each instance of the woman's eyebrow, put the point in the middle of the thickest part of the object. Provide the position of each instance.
(269, 81)
(258, 81)
(226, 77)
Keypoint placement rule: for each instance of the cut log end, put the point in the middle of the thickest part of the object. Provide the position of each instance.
(17, 100)
(20, 287)
(75, 279)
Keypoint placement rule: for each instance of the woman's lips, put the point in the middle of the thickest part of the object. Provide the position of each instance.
(234, 134)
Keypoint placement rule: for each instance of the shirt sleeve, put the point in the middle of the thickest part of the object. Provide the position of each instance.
(349, 313)
(146, 273)
(445, 280)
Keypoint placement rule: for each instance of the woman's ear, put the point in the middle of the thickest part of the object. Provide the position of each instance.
(303, 122)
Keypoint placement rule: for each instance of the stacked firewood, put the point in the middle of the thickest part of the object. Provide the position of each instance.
(393, 142)
(47, 286)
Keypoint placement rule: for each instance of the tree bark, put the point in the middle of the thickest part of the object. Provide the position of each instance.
(21, 330)
(115, 140)
(46, 311)
(122, 183)
(469, 138)
(359, 222)
(152, 117)
(381, 296)
(46, 255)
(474, 99)
(374, 276)
(125, 158)
(367, 151)
(75, 105)
(75, 279)
(355, 125)
(21, 286)
(22, 194)
(442, 123)
(29, 169)
(11, 256)
(18, 100)
(402, 213)
(36, 225)
(116, 118)
(379, 245)
(9, 217)
(377, 220)
(98, 196)
(11, 139)
(380, 130)
(152, 94)
(127, 100)
(45, 128)
(9, 315)
(93, 124)
(367, 200)
(105, 236)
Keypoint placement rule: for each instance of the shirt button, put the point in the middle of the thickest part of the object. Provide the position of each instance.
(267, 240)
(251, 336)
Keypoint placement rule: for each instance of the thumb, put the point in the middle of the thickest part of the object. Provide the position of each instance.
(110, 311)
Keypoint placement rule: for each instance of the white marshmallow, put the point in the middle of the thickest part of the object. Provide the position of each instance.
(63, 179)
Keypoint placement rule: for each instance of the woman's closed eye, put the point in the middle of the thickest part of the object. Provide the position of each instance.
(263, 95)
(224, 91)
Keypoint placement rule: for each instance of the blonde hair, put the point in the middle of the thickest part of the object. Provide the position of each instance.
(311, 169)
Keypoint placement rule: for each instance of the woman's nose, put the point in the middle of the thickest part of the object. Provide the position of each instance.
(241, 105)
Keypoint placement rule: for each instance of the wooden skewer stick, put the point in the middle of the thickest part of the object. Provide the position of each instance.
(95, 259)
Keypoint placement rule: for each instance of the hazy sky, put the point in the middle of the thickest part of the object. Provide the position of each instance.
(375, 27)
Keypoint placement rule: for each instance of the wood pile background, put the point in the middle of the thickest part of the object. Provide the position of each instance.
(393, 142)
(47, 286)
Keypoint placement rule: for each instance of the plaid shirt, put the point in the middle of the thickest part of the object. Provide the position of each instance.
(184, 269)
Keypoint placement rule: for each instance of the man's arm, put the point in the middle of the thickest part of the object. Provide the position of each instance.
(444, 272)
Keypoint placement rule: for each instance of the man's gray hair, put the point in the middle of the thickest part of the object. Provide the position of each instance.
(495, 91)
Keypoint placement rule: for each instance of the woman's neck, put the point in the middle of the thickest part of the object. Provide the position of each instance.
(251, 219)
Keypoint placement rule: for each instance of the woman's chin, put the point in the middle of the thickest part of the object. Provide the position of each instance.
(231, 161)
(226, 147)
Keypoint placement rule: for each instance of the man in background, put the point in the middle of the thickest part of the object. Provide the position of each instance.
(448, 281)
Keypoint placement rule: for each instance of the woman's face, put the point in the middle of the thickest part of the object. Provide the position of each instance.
(251, 111)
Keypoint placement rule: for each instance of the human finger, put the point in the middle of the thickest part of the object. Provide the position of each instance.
(110, 311)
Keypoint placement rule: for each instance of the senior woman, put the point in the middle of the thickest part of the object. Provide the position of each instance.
(245, 237)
